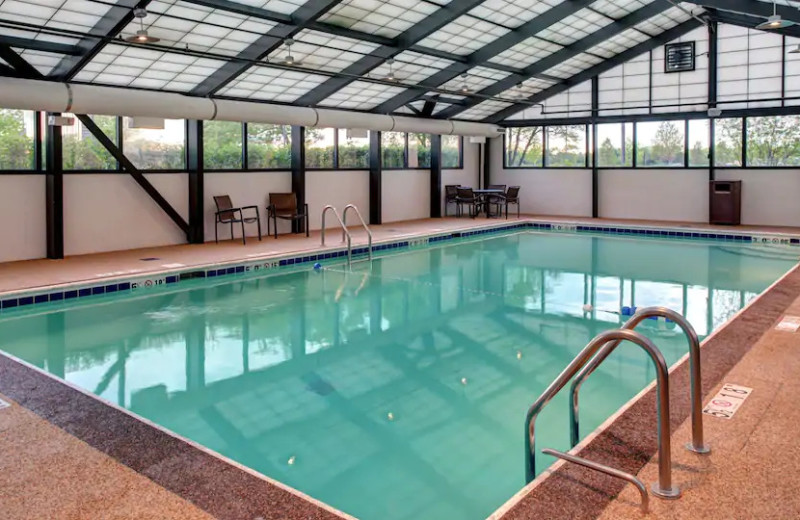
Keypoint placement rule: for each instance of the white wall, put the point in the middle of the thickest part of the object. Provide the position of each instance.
(564, 192)
(657, 194)
(245, 189)
(22, 217)
(769, 197)
(406, 195)
(110, 212)
(338, 188)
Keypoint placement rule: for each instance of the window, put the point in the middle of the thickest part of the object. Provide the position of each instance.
(699, 139)
(728, 142)
(155, 148)
(660, 143)
(451, 151)
(610, 149)
(566, 146)
(320, 144)
(16, 140)
(222, 145)
(82, 151)
(393, 145)
(353, 150)
(269, 146)
(419, 150)
(524, 147)
(773, 141)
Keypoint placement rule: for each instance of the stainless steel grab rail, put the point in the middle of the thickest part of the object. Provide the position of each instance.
(363, 223)
(345, 232)
(664, 486)
(697, 444)
(604, 469)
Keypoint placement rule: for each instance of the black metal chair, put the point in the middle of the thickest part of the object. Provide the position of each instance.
(495, 199)
(227, 214)
(512, 197)
(450, 196)
(467, 197)
(284, 206)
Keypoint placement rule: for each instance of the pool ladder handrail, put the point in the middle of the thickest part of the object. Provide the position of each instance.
(663, 488)
(602, 468)
(697, 445)
(345, 232)
(363, 223)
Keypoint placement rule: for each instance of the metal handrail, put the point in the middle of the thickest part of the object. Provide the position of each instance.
(345, 232)
(604, 469)
(664, 487)
(363, 223)
(697, 445)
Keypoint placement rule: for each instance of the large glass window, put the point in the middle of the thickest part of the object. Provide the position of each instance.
(566, 146)
(320, 144)
(728, 142)
(451, 151)
(82, 151)
(16, 140)
(393, 146)
(615, 144)
(155, 148)
(353, 149)
(222, 145)
(524, 147)
(773, 141)
(699, 139)
(269, 146)
(660, 143)
(419, 150)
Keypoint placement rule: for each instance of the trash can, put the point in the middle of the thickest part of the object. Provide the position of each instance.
(725, 202)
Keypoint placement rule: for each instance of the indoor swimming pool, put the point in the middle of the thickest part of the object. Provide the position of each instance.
(396, 390)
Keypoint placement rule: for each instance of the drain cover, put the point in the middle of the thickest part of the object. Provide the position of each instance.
(149, 259)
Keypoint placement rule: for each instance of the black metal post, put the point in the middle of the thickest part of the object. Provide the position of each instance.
(54, 190)
(487, 161)
(194, 165)
(375, 179)
(712, 96)
(299, 172)
(436, 175)
(595, 169)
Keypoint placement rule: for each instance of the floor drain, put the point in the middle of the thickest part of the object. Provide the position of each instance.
(149, 259)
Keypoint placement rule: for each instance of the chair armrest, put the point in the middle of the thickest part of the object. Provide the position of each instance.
(232, 210)
(250, 207)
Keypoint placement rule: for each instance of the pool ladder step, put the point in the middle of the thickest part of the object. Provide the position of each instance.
(587, 361)
(346, 237)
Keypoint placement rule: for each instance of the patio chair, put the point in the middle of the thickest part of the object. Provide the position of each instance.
(450, 196)
(496, 199)
(512, 197)
(227, 214)
(467, 197)
(284, 206)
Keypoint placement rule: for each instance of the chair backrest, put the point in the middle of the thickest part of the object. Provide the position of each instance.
(451, 191)
(497, 187)
(224, 203)
(512, 193)
(285, 203)
(465, 193)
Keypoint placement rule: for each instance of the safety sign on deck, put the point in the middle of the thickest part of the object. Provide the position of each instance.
(727, 401)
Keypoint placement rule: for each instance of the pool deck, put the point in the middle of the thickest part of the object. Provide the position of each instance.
(70, 455)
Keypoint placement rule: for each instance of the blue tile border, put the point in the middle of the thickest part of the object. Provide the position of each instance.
(15, 301)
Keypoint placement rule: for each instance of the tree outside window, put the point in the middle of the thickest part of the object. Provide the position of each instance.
(610, 138)
(419, 150)
(269, 146)
(222, 145)
(566, 146)
(524, 147)
(660, 144)
(728, 142)
(82, 151)
(393, 149)
(16, 140)
(773, 141)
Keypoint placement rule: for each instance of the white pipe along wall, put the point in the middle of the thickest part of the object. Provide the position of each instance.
(30, 94)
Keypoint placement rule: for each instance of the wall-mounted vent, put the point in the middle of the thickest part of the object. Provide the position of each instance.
(679, 57)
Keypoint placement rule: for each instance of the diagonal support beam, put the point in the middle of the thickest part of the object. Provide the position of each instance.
(39, 45)
(487, 52)
(259, 49)
(441, 17)
(566, 53)
(618, 59)
(134, 172)
(108, 27)
(755, 8)
(18, 63)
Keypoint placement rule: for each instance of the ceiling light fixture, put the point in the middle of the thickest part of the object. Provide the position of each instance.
(464, 87)
(796, 50)
(775, 21)
(390, 76)
(141, 35)
(289, 59)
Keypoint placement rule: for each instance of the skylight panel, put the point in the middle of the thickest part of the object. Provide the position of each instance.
(280, 6)
(526, 89)
(386, 18)
(619, 43)
(411, 67)
(575, 27)
(483, 110)
(573, 65)
(272, 84)
(324, 52)
(664, 21)
(526, 53)
(619, 8)
(477, 79)
(361, 95)
(42, 61)
(464, 35)
(512, 13)
(73, 15)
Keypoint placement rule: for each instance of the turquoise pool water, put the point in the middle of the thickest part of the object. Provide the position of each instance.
(399, 392)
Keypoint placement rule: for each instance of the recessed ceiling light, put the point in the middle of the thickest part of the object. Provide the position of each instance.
(141, 35)
(775, 21)
(289, 59)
